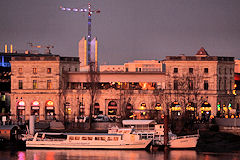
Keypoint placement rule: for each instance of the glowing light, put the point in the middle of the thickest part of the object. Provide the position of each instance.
(75, 10)
(21, 103)
(35, 103)
(205, 109)
(176, 108)
(50, 103)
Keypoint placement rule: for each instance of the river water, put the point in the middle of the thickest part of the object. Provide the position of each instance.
(47, 154)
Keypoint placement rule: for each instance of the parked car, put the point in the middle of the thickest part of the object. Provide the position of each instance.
(101, 118)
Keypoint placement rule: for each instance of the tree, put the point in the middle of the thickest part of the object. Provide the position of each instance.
(93, 80)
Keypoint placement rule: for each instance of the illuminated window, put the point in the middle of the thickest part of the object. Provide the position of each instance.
(20, 71)
(20, 84)
(49, 70)
(49, 84)
(34, 70)
(34, 84)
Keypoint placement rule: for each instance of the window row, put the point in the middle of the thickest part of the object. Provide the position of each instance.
(35, 84)
(35, 70)
(225, 71)
(190, 70)
(116, 85)
(189, 85)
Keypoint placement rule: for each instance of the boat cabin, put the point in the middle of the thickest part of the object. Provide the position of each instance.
(9, 132)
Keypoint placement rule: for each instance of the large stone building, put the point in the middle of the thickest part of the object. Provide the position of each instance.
(36, 85)
(203, 82)
(51, 86)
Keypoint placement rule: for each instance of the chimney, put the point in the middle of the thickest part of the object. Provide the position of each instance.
(11, 48)
(6, 48)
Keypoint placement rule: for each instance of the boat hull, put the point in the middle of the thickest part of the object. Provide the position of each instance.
(66, 145)
(184, 143)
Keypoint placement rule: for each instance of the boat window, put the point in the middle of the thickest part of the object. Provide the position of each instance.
(115, 138)
(90, 138)
(71, 138)
(84, 138)
(97, 138)
(77, 138)
(110, 139)
(103, 138)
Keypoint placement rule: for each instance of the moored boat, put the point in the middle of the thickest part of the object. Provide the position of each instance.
(183, 142)
(87, 141)
(149, 129)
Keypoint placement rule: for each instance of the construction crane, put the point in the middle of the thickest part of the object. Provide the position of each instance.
(90, 12)
(47, 47)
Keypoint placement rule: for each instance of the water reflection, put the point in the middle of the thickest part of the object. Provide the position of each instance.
(113, 154)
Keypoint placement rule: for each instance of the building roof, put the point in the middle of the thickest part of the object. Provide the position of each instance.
(8, 127)
(202, 52)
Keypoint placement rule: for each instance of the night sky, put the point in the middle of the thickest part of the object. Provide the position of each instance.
(126, 29)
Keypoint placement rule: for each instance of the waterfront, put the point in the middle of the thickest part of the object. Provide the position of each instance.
(43, 154)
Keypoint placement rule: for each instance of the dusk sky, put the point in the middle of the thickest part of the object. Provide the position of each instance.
(126, 29)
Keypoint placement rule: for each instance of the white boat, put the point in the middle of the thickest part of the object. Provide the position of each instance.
(149, 129)
(183, 142)
(126, 140)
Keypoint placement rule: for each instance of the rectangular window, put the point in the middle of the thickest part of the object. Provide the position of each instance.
(136, 69)
(20, 71)
(230, 83)
(219, 84)
(34, 70)
(49, 70)
(190, 85)
(140, 69)
(49, 84)
(75, 69)
(34, 84)
(175, 85)
(205, 70)
(205, 84)
(126, 69)
(69, 69)
(175, 70)
(191, 70)
(225, 84)
(20, 84)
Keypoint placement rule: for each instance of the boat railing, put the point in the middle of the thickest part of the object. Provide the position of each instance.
(187, 136)
(54, 139)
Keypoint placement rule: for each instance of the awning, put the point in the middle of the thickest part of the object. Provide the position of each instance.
(112, 107)
(138, 122)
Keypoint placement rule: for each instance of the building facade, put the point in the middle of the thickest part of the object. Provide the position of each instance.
(200, 83)
(36, 83)
(52, 87)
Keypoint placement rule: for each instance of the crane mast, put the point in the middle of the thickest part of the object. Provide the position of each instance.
(89, 36)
